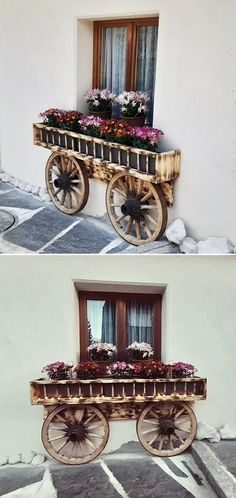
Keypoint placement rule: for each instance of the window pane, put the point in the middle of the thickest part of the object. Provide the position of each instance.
(113, 63)
(146, 62)
(139, 322)
(101, 321)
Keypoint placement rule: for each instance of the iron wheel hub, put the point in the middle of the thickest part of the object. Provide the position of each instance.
(63, 181)
(167, 427)
(77, 432)
(132, 208)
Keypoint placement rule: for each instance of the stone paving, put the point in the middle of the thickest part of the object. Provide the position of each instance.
(41, 228)
(129, 475)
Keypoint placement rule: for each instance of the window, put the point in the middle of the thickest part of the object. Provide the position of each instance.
(125, 55)
(120, 319)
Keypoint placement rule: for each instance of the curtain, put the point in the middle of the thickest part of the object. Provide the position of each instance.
(146, 62)
(108, 323)
(139, 322)
(101, 321)
(114, 59)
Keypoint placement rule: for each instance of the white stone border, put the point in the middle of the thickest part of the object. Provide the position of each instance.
(41, 192)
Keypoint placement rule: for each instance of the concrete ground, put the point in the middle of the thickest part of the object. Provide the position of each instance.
(41, 228)
(130, 473)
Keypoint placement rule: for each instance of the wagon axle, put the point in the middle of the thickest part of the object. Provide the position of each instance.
(77, 432)
(132, 207)
(167, 427)
(63, 181)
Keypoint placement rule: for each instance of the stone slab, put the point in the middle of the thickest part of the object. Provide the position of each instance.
(226, 452)
(5, 186)
(146, 477)
(162, 246)
(222, 481)
(40, 229)
(12, 478)
(19, 199)
(84, 238)
(85, 481)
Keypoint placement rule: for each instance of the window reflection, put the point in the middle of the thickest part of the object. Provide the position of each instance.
(101, 321)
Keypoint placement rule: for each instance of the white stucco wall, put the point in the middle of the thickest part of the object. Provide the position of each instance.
(39, 325)
(46, 61)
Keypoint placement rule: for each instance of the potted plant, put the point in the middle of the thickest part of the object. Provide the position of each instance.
(133, 107)
(100, 102)
(149, 369)
(101, 351)
(180, 370)
(89, 370)
(57, 371)
(139, 351)
(120, 370)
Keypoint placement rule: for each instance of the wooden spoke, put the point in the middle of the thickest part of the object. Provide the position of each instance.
(179, 413)
(90, 443)
(122, 185)
(129, 225)
(120, 192)
(153, 439)
(148, 206)
(135, 194)
(69, 197)
(138, 229)
(79, 415)
(140, 187)
(56, 438)
(63, 446)
(150, 218)
(89, 419)
(150, 421)
(68, 173)
(161, 443)
(150, 430)
(85, 434)
(164, 439)
(56, 192)
(147, 196)
(63, 198)
(121, 218)
(92, 434)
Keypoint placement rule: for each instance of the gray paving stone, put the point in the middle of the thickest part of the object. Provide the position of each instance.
(144, 479)
(225, 450)
(84, 238)
(5, 186)
(162, 246)
(88, 480)
(12, 478)
(19, 199)
(40, 229)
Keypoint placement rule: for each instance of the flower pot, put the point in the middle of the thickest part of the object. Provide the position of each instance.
(101, 114)
(134, 120)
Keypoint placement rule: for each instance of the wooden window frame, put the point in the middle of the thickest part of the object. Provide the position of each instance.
(120, 300)
(131, 25)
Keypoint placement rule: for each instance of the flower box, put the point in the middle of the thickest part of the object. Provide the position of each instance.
(50, 392)
(156, 166)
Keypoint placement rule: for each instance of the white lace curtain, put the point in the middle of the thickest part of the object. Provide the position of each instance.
(102, 321)
(113, 67)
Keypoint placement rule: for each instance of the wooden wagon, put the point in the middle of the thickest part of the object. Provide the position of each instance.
(139, 182)
(76, 412)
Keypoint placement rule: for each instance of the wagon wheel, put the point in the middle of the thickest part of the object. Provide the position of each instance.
(136, 208)
(166, 429)
(67, 182)
(75, 435)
